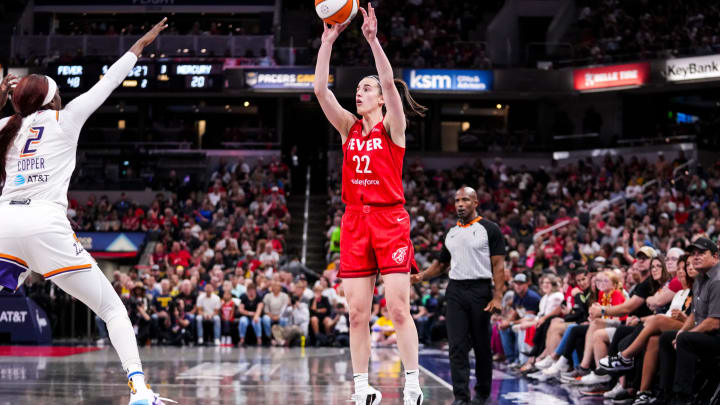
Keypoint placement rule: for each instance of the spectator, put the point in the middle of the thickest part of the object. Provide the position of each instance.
(320, 314)
(525, 305)
(138, 308)
(653, 326)
(251, 309)
(682, 350)
(179, 256)
(208, 310)
(161, 308)
(420, 316)
(298, 318)
(227, 316)
(269, 257)
(340, 325)
(274, 304)
(383, 330)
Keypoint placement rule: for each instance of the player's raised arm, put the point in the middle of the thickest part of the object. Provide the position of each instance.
(339, 117)
(395, 116)
(395, 121)
(85, 104)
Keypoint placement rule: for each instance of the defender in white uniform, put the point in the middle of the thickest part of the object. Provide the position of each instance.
(40, 142)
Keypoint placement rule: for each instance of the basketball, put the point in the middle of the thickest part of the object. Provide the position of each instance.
(336, 11)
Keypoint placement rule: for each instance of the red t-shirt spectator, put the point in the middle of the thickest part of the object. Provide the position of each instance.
(181, 258)
(227, 311)
(131, 223)
(277, 245)
(158, 257)
(616, 298)
(151, 223)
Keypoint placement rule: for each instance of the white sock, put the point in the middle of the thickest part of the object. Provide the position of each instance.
(138, 380)
(562, 361)
(361, 381)
(623, 357)
(411, 379)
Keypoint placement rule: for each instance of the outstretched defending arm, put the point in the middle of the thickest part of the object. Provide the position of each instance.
(85, 104)
(395, 116)
(339, 117)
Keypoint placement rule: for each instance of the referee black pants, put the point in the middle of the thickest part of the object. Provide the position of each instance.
(468, 327)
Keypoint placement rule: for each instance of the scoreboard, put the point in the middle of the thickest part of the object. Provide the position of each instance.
(189, 75)
(167, 75)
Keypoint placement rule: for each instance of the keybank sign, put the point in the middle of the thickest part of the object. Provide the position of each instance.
(449, 80)
(704, 67)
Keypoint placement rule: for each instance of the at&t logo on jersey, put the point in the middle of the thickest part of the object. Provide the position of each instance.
(399, 255)
(31, 178)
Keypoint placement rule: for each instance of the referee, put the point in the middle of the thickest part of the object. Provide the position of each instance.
(475, 251)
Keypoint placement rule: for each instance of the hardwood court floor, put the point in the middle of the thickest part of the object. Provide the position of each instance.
(249, 376)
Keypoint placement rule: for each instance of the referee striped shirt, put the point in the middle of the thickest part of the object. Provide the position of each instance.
(468, 248)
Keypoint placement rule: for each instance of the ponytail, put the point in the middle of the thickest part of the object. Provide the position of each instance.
(28, 97)
(411, 107)
(7, 137)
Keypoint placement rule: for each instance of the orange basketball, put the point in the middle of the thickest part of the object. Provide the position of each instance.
(336, 11)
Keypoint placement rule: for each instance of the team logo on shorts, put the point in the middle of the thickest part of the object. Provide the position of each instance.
(78, 245)
(399, 255)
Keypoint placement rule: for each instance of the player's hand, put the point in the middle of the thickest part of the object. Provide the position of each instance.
(495, 305)
(8, 84)
(416, 278)
(149, 37)
(331, 33)
(369, 27)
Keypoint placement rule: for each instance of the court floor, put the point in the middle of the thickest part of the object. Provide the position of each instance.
(252, 376)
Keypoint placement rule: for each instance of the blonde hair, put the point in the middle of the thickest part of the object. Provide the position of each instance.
(615, 279)
(554, 280)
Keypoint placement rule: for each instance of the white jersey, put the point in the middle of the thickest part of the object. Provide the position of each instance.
(41, 160)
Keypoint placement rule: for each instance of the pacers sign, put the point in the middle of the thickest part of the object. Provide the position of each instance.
(634, 74)
(282, 79)
(449, 80)
(704, 67)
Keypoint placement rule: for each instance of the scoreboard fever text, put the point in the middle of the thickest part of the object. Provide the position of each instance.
(158, 75)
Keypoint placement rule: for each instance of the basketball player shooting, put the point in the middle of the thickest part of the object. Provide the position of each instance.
(38, 145)
(375, 230)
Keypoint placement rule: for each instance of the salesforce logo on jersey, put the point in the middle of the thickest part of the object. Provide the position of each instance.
(449, 80)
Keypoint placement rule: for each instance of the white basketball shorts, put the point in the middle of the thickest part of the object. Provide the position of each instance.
(36, 236)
